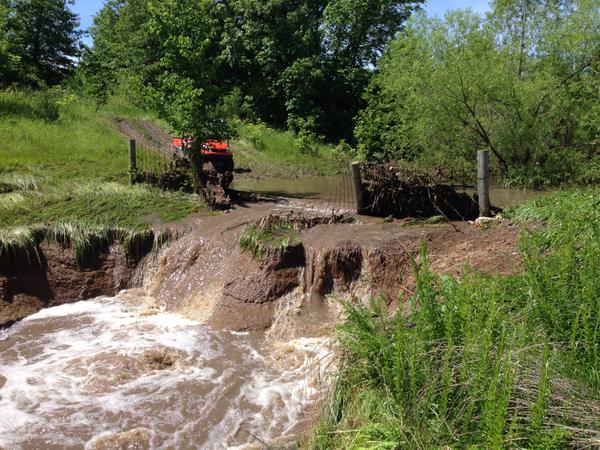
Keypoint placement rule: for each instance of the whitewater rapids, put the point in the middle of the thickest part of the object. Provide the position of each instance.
(118, 372)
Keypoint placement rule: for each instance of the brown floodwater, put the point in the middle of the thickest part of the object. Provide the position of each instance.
(339, 189)
(111, 373)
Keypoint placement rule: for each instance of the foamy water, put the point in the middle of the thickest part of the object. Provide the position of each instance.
(109, 373)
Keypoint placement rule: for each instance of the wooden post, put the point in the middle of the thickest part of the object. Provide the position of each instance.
(483, 182)
(132, 162)
(358, 192)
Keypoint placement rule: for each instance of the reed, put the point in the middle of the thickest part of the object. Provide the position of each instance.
(482, 361)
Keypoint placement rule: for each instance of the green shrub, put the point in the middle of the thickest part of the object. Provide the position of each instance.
(255, 133)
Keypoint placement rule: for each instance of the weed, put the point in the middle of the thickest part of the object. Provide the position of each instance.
(482, 362)
(259, 240)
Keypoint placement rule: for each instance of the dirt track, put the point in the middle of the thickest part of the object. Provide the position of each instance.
(147, 135)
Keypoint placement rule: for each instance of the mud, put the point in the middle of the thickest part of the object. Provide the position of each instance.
(147, 135)
(57, 280)
(207, 276)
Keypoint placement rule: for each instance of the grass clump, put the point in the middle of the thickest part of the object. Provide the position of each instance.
(19, 244)
(258, 239)
(482, 361)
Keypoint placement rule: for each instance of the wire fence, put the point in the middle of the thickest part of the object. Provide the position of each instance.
(164, 168)
(337, 199)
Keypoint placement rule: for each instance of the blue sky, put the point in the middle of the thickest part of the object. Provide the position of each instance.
(87, 8)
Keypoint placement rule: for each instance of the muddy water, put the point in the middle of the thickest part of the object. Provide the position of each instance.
(338, 188)
(120, 373)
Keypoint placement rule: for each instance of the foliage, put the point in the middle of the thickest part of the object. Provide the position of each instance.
(73, 169)
(259, 240)
(522, 82)
(41, 41)
(277, 60)
(358, 31)
(480, 361)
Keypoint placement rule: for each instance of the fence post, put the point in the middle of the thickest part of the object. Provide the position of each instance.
(358, 192)
(483, 182)
(132, 162)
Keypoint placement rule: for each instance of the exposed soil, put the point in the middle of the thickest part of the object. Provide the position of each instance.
(57, 280)
(207, 276)
(147, 135)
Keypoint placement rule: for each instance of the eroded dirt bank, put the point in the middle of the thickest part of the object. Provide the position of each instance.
(207, 276)
(54, 278)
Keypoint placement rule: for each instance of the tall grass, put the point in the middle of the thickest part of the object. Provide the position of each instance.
(64, 178)
(481, 361)
(19, 246)
(274, 153)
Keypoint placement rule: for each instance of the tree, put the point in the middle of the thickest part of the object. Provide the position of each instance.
(261, 40)
(125, 52)
(277, 56)
(5, 57)
(358, 31)
(522, 82)
(43, 33)
(184, 84)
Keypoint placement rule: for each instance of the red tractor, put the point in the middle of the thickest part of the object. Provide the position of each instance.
(217, 167)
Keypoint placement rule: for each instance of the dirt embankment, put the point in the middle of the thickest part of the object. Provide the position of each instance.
(56, 279)
(207, 276)
(346, 261)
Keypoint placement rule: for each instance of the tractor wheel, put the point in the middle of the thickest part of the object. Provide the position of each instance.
(216, 183)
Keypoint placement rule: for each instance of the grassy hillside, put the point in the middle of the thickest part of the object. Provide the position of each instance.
(63, 167)
(271, 153)
(482, 362)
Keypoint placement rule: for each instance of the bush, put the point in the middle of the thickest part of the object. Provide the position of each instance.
(255, 133)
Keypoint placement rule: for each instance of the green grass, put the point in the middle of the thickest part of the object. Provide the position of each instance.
(482, 361)
(258, 240)
(62, 164)
(278, 154)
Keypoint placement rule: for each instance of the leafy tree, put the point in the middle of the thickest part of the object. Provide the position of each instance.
(5, 57)
(276, 56)
(261, 40)
(358, 31)
(522, 82)
(43, 33)
(125, 51)
(183, 85)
